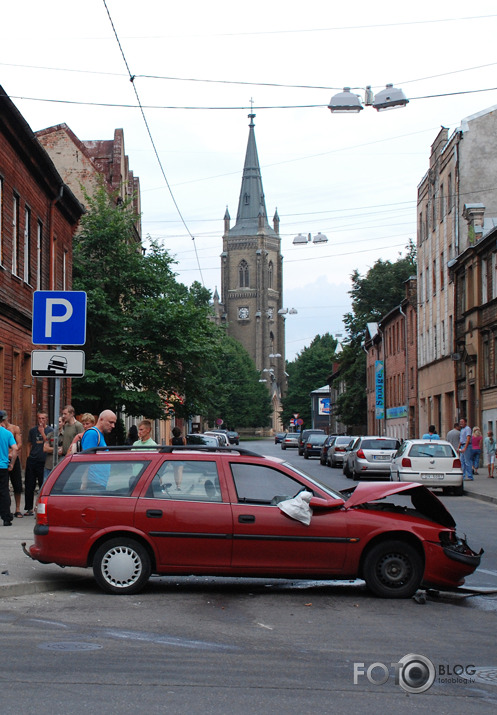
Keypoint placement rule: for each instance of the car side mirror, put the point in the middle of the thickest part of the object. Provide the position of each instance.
(318, 503)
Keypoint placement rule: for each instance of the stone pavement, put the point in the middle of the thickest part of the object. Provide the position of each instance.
(20, 575)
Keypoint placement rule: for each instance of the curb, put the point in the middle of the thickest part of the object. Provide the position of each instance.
(481, 497)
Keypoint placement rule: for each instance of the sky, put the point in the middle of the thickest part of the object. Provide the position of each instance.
(198, 68)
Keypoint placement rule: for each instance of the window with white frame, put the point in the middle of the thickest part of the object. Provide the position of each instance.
(27, 245)
(15, 235)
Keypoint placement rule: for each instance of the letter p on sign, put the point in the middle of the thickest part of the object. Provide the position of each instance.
(59, 317)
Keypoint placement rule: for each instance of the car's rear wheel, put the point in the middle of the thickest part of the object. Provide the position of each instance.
(306, 455)
(456, 491)
(121, 566)
(393, 569)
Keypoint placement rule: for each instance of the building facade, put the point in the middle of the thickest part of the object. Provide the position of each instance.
(462, 171)
(391, 370)
(252, 280)
(38, 217)
(475, 357)
(84, 165)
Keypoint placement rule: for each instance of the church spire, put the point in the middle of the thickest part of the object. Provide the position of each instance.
(251, 204)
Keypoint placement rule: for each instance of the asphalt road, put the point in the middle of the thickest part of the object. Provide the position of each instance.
(227, 646)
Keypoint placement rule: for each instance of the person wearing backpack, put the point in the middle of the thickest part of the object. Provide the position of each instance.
(87, 420)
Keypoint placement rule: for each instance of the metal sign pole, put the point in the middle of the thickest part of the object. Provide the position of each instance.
(56, 414)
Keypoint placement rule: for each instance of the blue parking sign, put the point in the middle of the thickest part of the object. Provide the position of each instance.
(59, 317)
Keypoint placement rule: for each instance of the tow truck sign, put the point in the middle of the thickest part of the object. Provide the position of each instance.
(58, 363)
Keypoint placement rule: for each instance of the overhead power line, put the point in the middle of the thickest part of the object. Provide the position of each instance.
(131, 77)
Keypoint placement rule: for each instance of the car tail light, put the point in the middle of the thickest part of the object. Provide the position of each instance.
(308, 445)
(456, 464)
(361, 454)
(339, 449)
(406, 462)
(41, 511)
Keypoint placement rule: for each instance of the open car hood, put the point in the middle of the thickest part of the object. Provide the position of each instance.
(422, 498)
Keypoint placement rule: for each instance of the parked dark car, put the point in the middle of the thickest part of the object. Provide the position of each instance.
(278, 437)
(303, 436)
(326, 445)
(313, 444)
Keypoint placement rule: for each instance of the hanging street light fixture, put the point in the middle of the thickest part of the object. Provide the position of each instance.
(347, 102)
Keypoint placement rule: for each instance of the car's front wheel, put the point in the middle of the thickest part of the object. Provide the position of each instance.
(393, 569)
(121, 566)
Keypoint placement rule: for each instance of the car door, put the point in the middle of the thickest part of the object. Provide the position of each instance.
(265, 540)
(184, 510)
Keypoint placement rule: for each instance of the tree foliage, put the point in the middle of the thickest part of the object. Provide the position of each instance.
(148, 336)
(236, 395)
(309, 371)
(373, 296)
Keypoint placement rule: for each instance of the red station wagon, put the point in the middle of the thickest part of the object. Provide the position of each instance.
(130, 513)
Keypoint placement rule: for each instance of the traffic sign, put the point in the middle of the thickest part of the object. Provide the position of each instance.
(59, 317)
(57, 363)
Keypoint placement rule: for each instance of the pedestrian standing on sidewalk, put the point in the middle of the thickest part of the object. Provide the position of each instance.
(476, 440)
(35, 463)
(453, 436)
(15, 472)
(71, 428)
(465, 449)
(8, 456)
(53, 442)
(489, 449)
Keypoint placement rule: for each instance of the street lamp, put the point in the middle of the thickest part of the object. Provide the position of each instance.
(347, 102)
(301, 240)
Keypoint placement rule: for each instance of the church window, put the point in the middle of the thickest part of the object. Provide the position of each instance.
(270, 272)
(243, 274)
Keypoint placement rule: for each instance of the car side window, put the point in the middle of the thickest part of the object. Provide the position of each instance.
(102, 478)
(258, 484)
(186, 480)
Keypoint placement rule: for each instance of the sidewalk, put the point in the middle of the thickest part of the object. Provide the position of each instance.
(20, 575)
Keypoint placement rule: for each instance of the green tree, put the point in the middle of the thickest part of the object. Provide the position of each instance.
(309, 371)
(236, 395)
(148, 336)
(373, 296)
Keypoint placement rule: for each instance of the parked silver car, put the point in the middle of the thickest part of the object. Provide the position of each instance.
(337, 450)
(372, 456)
(290, 439)
(346, 457)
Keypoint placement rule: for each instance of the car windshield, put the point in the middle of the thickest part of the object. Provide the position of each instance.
(324, 487)
(380, 444)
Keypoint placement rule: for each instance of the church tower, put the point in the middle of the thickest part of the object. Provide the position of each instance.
(252, 278)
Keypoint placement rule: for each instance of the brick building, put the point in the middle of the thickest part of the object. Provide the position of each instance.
(391, 370)
(462, 171)
(83, 165)
(475, 357)
(38, 217)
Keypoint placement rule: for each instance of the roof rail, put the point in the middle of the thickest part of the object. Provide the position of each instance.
(169, 448)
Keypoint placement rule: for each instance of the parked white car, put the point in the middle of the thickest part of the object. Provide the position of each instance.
(434, 463)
